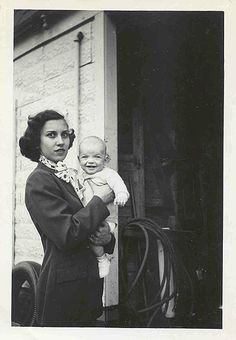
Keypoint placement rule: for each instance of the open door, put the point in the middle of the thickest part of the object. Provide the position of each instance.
(131, 166)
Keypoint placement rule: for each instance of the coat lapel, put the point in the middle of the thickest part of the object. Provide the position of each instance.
(68, 187)
(65, 185)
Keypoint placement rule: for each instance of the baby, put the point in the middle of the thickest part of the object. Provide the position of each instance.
(93, 158)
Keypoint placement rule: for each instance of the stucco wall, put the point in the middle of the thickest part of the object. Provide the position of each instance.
(46, 78)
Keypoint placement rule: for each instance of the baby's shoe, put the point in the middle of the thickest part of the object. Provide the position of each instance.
(103, 265)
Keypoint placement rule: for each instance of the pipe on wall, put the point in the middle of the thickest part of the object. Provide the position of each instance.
(79, 39)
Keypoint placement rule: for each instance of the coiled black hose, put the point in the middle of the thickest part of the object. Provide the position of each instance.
(151, 231)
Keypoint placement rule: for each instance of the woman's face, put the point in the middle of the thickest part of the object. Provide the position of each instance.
(54, 140)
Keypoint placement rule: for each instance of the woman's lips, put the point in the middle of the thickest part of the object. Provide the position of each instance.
(60, 151)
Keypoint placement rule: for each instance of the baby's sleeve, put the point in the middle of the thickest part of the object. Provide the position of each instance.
(115, 182)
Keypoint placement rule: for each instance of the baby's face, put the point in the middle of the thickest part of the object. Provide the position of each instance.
(92, 157)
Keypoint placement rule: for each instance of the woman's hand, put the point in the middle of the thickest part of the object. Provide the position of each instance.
(102, 236)
(103, 191)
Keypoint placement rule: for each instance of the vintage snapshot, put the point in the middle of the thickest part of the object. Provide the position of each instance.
(118, 209)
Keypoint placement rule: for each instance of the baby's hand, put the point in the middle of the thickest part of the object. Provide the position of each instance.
(121, 199)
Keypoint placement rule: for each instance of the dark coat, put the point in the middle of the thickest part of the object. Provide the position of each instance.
(69, 291)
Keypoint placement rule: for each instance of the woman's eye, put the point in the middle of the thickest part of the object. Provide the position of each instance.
(65, 134)
(51, 135)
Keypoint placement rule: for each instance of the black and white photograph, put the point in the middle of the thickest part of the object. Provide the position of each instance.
(117, 157)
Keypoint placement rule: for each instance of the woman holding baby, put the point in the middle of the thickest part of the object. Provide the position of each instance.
(69, 289)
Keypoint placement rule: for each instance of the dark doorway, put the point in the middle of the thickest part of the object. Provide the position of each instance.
(170, 116)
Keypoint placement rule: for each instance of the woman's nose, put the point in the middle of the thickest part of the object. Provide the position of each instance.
(60, 140)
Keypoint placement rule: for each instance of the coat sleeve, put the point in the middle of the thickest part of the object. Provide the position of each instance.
(109, 248)
(52, 213)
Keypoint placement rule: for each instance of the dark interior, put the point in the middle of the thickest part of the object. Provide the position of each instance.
(170, 115)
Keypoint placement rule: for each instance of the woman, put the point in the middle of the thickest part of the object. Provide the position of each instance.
(69, 291)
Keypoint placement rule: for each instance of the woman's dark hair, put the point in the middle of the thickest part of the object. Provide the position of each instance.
(30, 142)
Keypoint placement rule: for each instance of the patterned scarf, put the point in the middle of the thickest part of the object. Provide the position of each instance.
(69, 175)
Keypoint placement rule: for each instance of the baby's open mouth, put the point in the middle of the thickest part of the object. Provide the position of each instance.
(91, 166)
